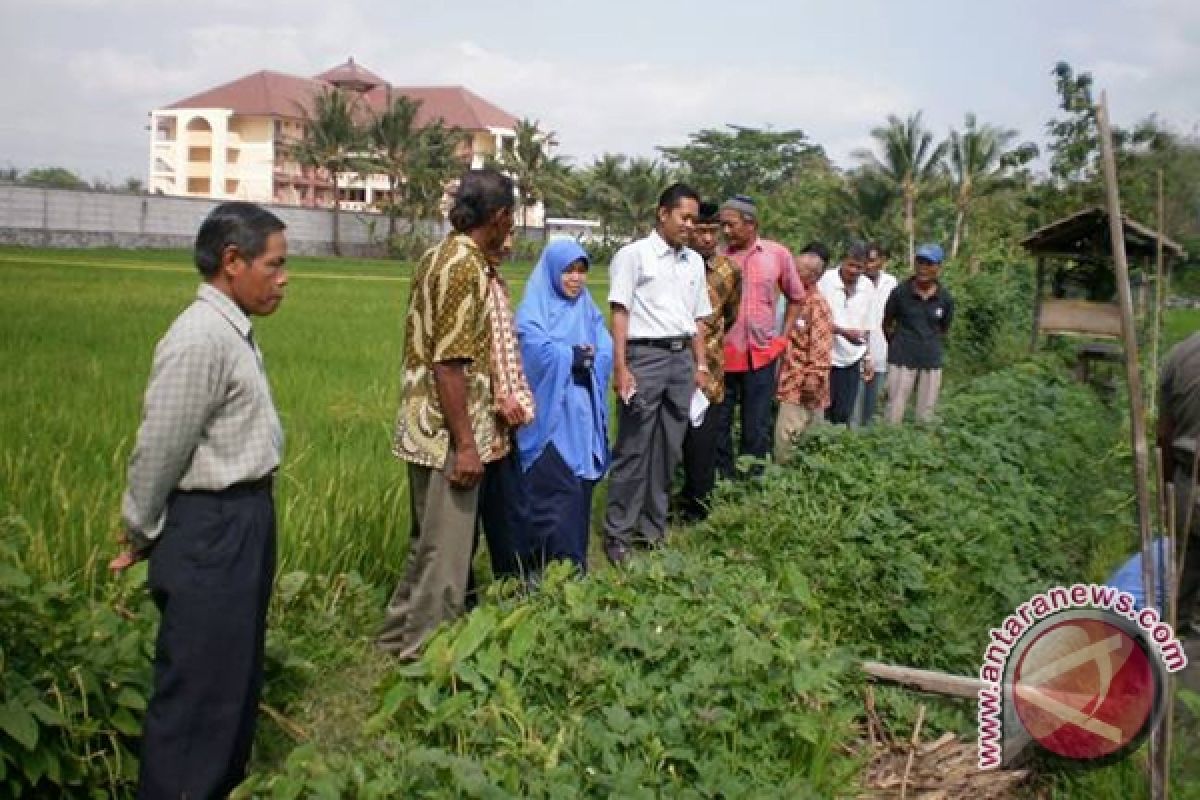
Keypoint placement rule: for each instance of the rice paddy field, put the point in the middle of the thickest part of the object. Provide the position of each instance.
(77, 332)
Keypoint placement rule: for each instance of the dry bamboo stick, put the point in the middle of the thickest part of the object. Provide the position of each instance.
(1116, 226)
(925, 679)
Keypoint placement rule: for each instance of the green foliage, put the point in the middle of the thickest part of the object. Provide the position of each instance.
(720, 164)
(610, 686)
(74, 681)
(950, 526)
(53, 178)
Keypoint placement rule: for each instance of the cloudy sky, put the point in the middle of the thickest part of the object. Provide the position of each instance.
(621, 76)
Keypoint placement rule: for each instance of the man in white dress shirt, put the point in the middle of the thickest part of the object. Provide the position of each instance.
(884, 282)
(850, 295)
(659, 299)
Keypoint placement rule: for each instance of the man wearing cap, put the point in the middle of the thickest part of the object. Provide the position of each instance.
(724, 293)
(754, 342)
(849, 294)
(916, 318)
(659, 302)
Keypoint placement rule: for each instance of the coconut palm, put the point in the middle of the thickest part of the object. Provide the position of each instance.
(529, 163)
(907, 162)
(332, 142)
(393, 135)
(437, 157)
(978, 160)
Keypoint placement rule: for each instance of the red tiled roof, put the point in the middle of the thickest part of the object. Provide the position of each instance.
(263, 92)
(456, 106)
(277, 94)
(351, 75)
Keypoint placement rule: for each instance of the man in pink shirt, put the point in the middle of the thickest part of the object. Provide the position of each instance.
(754, 343)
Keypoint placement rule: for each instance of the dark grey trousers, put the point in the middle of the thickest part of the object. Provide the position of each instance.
(650, 430)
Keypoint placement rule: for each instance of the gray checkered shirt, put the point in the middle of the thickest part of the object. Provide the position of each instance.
(209, 421)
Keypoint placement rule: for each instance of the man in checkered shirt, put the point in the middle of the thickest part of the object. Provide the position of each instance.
(199, 506)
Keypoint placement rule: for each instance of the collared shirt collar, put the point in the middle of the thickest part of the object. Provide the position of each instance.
(937, 288)
(224, 304)
(661, 248)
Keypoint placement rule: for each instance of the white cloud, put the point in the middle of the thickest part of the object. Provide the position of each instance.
(632, 107)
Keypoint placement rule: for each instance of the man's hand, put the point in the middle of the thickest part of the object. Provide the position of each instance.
(467, 469)
(855, 335)
(703, 378)
(868, 370)
(512, 412)
(624, 383)
(127, 556)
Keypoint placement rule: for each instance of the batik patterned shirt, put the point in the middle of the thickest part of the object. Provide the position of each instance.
(447, 320)
(508, 374)
(724, 295)
(804, 379)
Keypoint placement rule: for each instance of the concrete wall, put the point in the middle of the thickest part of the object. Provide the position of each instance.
(66, 218)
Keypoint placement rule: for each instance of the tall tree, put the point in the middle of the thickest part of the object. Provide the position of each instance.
(721, 163)
(978, 159)
(332, 142)
(908, 161)
(624, 192)
(529, 163)
(53, 178)
(437, 157)
(393, 136)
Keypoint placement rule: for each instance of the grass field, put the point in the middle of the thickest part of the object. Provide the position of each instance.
(78, 330)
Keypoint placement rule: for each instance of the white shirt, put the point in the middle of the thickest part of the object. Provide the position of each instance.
(663, 289)
(850, 310)
(878, 343)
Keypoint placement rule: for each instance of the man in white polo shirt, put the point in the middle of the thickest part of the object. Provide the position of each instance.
(850, 295)
(659, 299)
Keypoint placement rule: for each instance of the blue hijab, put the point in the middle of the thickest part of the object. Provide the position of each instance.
(549, 324)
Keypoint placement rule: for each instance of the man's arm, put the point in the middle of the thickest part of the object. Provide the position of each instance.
(623, 380)
(793, 289)
(703, 376)
(450, 382)
(183, 392)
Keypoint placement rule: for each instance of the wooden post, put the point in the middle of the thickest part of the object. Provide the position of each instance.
(1159, 296)
(1039, 276)
(1133, 377)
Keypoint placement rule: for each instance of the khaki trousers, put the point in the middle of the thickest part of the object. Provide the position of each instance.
(793, 419)
(439, 560)
(900, 386)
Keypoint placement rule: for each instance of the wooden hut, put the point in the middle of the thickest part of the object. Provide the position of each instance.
(1074, 263)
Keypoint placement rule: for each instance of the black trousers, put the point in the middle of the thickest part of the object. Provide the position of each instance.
(843, 391)
(211, 574)
(700, 461)
(560, 511)
(755, 392)
(503, 513)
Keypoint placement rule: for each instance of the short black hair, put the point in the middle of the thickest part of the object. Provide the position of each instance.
(857, 251)
(877, 247)
(245, 226)
(481, 193)
(817, 249)
(675, 194)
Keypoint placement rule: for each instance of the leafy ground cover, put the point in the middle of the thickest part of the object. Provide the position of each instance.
(723, 667)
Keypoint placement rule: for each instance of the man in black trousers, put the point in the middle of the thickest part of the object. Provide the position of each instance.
(199, 506)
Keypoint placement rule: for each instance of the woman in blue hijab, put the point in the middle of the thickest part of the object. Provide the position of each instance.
(567, 353)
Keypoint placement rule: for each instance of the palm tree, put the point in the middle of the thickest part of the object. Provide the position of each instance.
(528, 161)
(624, 192)
(909, 161)
(332, 142)
(978, 160)
(436, 158)
(393, 136)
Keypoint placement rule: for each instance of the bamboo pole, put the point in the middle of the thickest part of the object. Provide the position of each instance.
(1133, 378)
(1159, 294)
(925, 679)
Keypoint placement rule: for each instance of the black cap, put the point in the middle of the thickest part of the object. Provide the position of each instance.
(710, 214)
